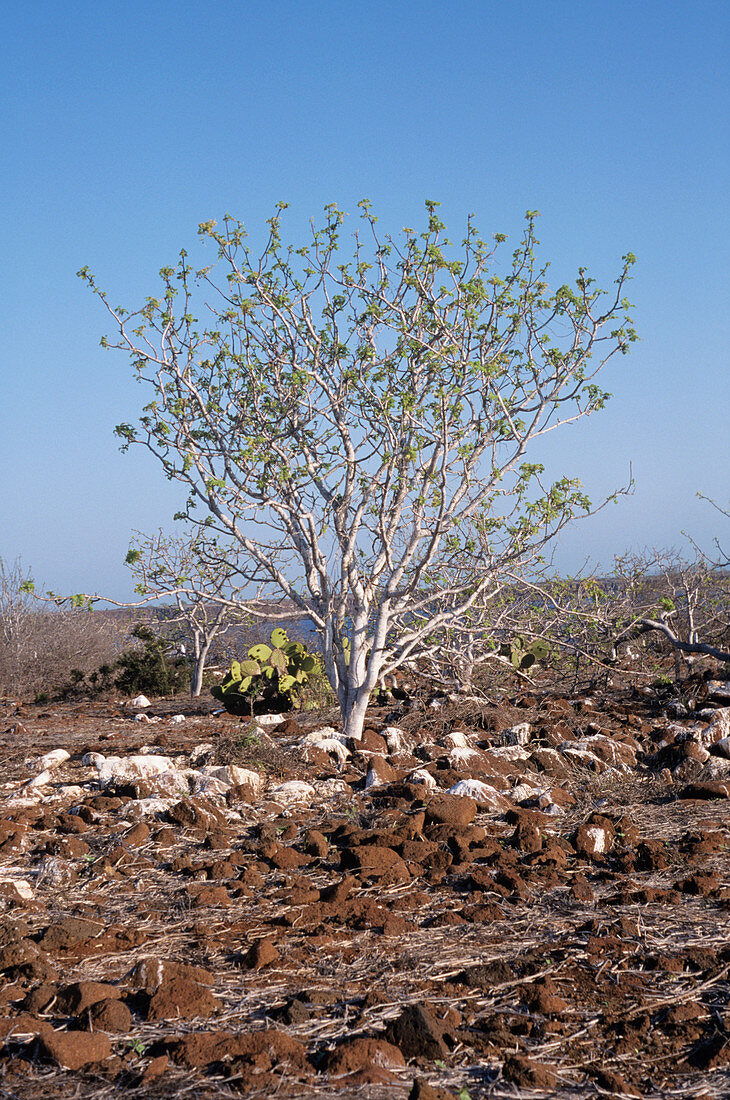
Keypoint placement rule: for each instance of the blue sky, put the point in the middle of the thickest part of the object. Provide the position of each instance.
(124, 126)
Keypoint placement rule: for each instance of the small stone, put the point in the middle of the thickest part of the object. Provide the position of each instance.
(260, 954)
(379, 772)
(75, 1049)
(137, 835)
(451, 809)
(356, 1055)
(109, 1015)
(156, 1067)
(421, 1090)
(179, 997)
(525, 1073)
(417, 1034)
(593, 840)
(516, 735)
(82, 995)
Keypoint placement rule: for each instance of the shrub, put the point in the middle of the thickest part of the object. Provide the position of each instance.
(152, 668)
(39, 648)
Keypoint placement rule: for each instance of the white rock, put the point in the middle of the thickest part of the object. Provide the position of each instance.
(177, 719)
(372, 779)
(24, 888)
(266, 720)
(523, 792)
(621, 755)
(420, 775)
(201, 753)
(245, 777)
(716, 768)
(600, 840)
(72, 791)
(41, 780)
(516, 735)
(141, 808)
(331, 788)
(208, 784)
(456, 740)
(115, 769)
(581, 756)
(511, 752)
(295, 792)
(464, 757)
(548, 806)
(480, 792)
(231, 775)
(52, 760)
(140, 701)
(325, 733)
(395, 738)
(332, 746)
(718, 729)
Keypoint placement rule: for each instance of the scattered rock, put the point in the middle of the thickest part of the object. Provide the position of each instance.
(357, 1055)
(75, 1050)
(418, 1034)
(181, 998)
(526, 1073)
(453, 808)
(260, 954)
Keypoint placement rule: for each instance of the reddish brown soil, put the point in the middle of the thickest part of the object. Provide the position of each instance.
(376, 942)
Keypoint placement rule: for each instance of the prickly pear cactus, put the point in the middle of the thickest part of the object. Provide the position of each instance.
(269, 675)
(524, 655)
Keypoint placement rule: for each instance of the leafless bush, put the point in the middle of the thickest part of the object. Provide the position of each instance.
(40, 648)
(654, 615)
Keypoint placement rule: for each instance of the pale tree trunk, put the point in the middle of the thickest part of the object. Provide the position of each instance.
(196, 680)
(363, 672)
(354, 720)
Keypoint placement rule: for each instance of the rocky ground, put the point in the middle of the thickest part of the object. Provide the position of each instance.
(523, 899)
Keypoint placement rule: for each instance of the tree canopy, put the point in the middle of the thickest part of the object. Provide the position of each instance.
(360, 421)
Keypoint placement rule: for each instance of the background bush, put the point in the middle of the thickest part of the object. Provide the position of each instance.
(39, 649)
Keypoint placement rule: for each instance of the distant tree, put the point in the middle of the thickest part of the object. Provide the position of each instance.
(188, 581)
(362, 427)
(200, 581)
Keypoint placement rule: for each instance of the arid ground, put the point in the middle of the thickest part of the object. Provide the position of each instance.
(272, 912)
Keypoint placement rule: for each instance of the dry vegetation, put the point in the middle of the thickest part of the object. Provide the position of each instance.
(379, 941)
(40, 648)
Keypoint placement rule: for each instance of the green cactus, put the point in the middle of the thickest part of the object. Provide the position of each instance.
(269, 675)
(524, 655)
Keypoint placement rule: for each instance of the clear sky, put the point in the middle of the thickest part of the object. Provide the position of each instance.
(122, 126)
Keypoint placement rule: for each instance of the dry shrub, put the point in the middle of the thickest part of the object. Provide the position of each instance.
(39, 648)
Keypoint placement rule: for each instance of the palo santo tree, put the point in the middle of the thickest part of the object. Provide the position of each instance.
(362, 425)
